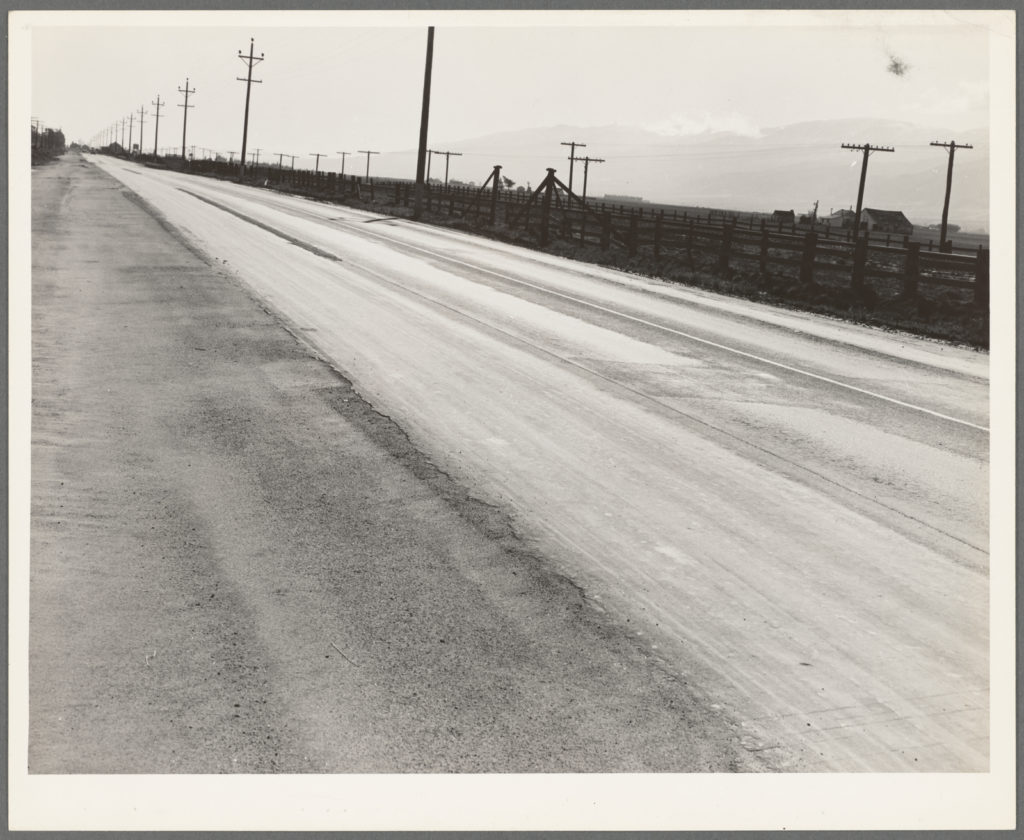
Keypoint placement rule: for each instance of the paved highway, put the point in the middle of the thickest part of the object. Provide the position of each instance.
(789, 511)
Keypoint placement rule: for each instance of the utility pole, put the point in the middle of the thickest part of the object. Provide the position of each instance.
(365, 152)
(867, 148)
(447, 157)
(256, 157)
(586, 168)
(318, 155)
(280, 157)
(343, 156)
(251, 61)
(952, 145)
(142, 122)
(573, 145)
(156, 138)
(122, 134)
(293, 159)
(424, 118)
(131, 125)
(430, 158)
(184, 124)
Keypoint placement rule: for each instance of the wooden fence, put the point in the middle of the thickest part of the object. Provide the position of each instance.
(890, 264)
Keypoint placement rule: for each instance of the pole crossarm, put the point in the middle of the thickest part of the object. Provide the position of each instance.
(867, 147)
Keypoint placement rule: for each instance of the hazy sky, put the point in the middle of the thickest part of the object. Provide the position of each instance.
(345, 87)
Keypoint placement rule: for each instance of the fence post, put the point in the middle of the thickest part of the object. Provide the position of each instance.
(657, 233)
(545, 207)
(860, 258)
(981, 281)
(911, 270)
(807, 259)
(762, 260)
(726, 248)
(494, 200)
(633, 220)
(606, 230)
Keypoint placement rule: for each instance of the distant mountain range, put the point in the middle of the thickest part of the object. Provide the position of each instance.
(789, 167)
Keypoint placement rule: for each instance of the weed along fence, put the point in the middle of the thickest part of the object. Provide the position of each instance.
(814, 260)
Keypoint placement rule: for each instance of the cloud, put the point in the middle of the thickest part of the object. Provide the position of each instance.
(682, 125)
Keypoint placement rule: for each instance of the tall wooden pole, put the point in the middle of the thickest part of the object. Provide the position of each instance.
(421, 158)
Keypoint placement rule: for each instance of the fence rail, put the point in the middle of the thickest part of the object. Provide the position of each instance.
(816, 254)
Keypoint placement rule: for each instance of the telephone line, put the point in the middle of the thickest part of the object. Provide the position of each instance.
(184, 124)
(952, 145)
(573, 145)
(867, 149)
(156, 138)
(367, 153)
(251, 62)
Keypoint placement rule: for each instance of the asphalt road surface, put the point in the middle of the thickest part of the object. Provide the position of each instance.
(603, 523)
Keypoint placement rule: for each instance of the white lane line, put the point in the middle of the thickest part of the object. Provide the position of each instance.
(690, 336)
(681, 333)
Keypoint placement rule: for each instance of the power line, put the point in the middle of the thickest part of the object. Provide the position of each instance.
(572, 144)
(952, 145)
(447, 156)
(867, 148)
(424, 119)
(586, 167)
(251, 61)
(156, 138)
(142, 121)
(184, 124)
(343, 156)
(367, 153)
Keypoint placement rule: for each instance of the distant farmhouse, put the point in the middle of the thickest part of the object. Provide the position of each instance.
(610, 197)
(840, 219)
(787, 217)
(886, 221)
